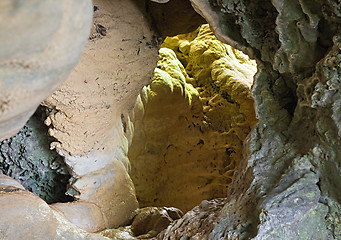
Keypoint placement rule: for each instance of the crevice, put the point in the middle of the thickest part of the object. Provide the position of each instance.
(27, 158)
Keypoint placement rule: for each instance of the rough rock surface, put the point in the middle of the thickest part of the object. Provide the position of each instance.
(195, 224)
(27, 158)
(41, 41)
(191, 121)
(286, 186)
(150, 221)
(147, 224)
(121, 233)
(26, 216)
(89, 117)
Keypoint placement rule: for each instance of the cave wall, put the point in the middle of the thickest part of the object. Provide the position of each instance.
(85, 112)
(41, 43)
(286, 186)
(191, 121)
(27, 158)
(287, 183)
(86, 121)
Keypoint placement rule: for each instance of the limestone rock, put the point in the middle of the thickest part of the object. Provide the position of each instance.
(283, 188)
(286, 184)
(122, 233)
(195, 224)
(41, 42)
(105, 82)
(24, 215)
(191, 121)
(8, 181)
(27, 158)
(87, 122)
(84, 215)
(150, 221)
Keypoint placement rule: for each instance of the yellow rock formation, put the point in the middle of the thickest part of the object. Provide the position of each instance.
(191, 121)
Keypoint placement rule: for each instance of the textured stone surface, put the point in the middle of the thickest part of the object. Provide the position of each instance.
(287, 184)
(195, 224)
(190, 122)
(122, 233)
(41, 42)
(105, 82)
(173, 17)
(20, 209)
(89, 117)
(84, 215)
(147, 224)
(26, 216)
(284, 188)
(150, 221)
(27, 158)
(8, 181)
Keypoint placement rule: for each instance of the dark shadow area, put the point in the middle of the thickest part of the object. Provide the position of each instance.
(27, 158)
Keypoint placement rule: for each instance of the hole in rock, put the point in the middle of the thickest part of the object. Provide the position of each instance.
(27, 158)
(191, 121)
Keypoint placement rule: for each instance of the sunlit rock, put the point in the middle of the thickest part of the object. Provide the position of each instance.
(191, 121)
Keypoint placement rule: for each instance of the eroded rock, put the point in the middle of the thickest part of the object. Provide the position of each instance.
(41, 42)
(150, 221)
(27, 158)
(23, 214)
(195, 224)
(277, 193)
(191, 121)
(286, 186)
(86, 121)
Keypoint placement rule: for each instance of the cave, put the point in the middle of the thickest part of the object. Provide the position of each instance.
(170, 119)
(191, 121)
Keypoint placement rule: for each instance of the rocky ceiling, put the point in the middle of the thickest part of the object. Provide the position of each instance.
(287, 184)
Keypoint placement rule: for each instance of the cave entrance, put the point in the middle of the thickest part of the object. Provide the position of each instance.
(191, 121)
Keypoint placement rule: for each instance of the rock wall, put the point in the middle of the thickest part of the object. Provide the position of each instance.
(285, 187)
(191, 121)
(27, 158)
(41, 43)
(86, 121)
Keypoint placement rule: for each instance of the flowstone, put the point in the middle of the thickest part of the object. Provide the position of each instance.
(191, 121)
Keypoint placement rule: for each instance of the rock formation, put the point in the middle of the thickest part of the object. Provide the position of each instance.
(41, 43)
(286, 185)
(191, 121)
(27, 158)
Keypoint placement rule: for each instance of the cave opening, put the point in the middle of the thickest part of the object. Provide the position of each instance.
(189, 128)
(191, 121)
(184, 135)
